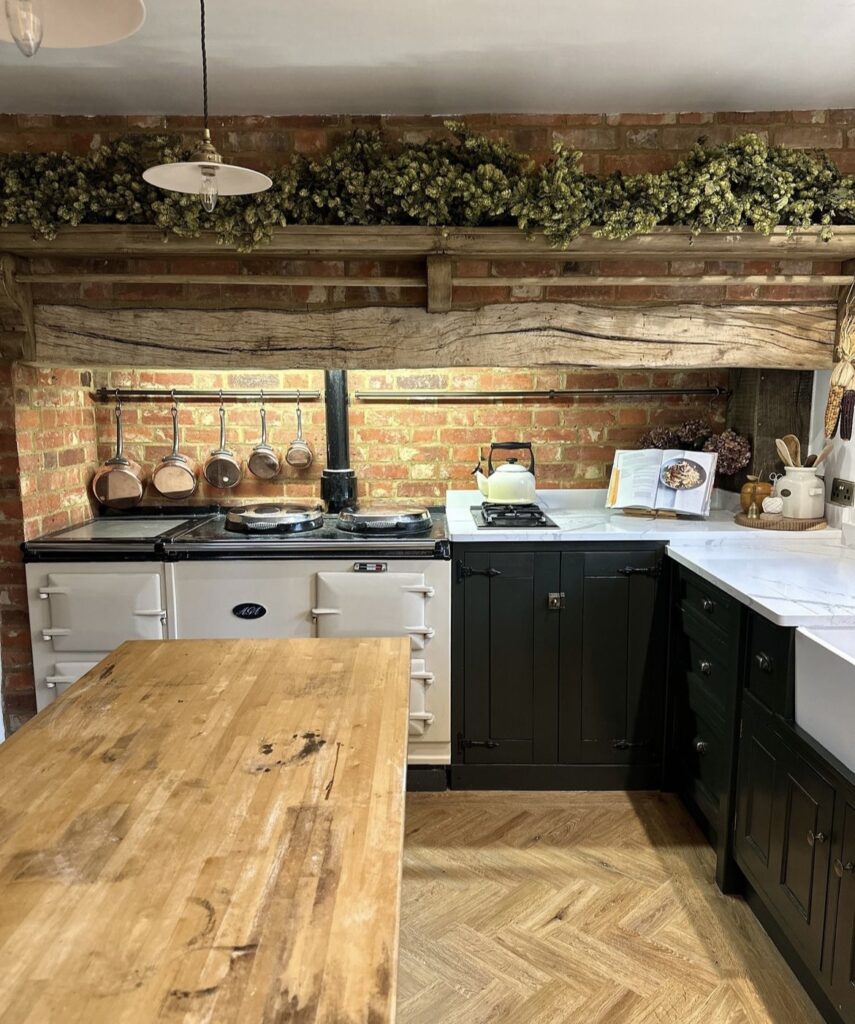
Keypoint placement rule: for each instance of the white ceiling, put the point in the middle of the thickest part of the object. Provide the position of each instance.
(455, 56)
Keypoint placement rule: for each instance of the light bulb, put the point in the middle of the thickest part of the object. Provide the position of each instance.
(208, 191)
(26, 24)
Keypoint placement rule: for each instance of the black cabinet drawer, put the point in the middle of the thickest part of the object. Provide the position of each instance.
(769, 672)
(707, 666)
(719, 611)
(699, 753)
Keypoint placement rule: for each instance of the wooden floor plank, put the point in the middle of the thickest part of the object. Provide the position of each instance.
(563, 908)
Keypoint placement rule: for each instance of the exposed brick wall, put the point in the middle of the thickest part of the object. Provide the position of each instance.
(52, 436)
(630, 142)
(409, 450)
(57, 446)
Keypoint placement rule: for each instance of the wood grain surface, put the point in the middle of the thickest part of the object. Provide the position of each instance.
(679, 335)
(206, 831)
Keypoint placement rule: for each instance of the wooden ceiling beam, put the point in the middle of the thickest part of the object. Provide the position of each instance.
(332, 242)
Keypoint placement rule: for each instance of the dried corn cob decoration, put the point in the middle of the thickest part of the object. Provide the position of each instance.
(841, 392)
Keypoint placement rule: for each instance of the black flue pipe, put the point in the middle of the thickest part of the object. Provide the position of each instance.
(338, 481)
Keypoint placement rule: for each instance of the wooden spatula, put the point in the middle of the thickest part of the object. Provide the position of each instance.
(783, 451)
(794, 447)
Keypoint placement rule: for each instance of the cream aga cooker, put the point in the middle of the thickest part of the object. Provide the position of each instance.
(378, 572)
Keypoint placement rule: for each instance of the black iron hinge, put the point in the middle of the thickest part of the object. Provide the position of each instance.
(635, 570)
(464, 571)
(465, 744)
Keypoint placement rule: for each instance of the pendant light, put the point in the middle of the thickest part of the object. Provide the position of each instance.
(69, 24)
(205, 174)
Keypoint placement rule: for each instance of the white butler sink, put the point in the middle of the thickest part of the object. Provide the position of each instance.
(825, 689)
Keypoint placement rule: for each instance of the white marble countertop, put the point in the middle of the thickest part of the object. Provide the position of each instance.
(792, 579)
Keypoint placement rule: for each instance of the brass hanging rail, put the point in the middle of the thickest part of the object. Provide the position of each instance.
(203, 395)
(549, 393)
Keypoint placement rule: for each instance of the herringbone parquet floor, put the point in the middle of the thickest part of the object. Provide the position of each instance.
(577, 908)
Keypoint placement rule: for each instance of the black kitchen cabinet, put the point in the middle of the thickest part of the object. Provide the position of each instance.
(704, 691)
(509, 656)
(795, 844)
(801, 842)
(841, 948)
(611, 662)
(784, 827)
(759, 770)
(558, 666)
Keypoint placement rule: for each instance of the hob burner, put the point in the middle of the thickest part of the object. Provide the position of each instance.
(490, 514)
(275, 517)
(384, 519)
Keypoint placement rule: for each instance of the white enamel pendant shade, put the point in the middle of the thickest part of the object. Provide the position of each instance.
(73, 24)
(187, 177)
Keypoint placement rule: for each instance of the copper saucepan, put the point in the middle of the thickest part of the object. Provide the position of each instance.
(299, 454)
(119, 482)
(222, 469)
(263, 461)
(175, 477)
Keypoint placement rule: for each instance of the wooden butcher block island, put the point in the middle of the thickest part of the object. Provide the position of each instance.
(208, 831)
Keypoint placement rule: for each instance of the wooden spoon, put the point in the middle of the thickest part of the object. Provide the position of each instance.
(794, 447)
(823, 455)
(783, 451)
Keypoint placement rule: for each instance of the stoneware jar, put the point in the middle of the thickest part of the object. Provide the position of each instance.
(803, 493)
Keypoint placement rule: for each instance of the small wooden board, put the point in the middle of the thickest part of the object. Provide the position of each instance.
(770, 522)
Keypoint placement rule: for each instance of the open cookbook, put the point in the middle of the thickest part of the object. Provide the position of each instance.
(663, 481)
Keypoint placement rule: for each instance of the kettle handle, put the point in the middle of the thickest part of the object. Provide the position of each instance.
(510, 446)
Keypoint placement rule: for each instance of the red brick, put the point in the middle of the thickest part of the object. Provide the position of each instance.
(641, 119)
(587, 138)
(803, 137)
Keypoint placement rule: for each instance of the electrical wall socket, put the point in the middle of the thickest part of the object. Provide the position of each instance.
(842, 492)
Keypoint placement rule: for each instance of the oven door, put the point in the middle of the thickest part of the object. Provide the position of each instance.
(97, 611)
(373, 604)
(383, 604)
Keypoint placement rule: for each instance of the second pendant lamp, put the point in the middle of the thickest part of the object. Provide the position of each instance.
(205, 174)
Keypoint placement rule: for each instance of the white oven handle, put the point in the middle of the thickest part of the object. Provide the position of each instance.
(420, 588)
(45, 592)
(153, 613)
(425, 631)
(421, 716)
(426, 677)
(326, 611)
(48, 634)
(51, 681)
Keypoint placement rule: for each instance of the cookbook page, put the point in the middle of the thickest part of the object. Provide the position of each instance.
(635, 479)
(685, 482)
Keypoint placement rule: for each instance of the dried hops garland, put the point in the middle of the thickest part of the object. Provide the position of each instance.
(459, 178)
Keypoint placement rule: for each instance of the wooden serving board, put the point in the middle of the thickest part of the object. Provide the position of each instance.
(208, 831)
(769, 522)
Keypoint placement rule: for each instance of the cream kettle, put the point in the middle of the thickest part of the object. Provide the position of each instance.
(509, 483)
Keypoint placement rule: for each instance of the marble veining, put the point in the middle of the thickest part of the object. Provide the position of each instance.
(792, 579)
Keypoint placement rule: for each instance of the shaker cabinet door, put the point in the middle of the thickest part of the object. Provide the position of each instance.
(756, 787)
(804, 816)
(509, 637)
(611, 666)
(843, 937)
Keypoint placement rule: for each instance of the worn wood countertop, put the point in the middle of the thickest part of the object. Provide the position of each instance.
(208, 831)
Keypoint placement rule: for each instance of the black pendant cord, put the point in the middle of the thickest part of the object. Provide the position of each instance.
(204, 64)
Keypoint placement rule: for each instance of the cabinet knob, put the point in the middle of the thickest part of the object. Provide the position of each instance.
(701, 746)
(840, 867)
(556, 601)
(705, 667)
(815, 837)
(763, 661)
(708, 605)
